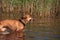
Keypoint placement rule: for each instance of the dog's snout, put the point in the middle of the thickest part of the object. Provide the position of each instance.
(31, 19)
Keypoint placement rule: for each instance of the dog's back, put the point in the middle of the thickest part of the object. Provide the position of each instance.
(12, 24)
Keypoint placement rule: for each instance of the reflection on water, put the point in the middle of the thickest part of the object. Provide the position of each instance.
(31, 35)
(42, 36)
(13, 36)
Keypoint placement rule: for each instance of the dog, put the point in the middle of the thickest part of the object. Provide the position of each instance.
(14, 25)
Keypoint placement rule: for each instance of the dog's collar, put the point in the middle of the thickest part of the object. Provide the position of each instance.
(22, 22)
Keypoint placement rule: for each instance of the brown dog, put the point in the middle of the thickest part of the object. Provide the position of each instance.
(14, 25)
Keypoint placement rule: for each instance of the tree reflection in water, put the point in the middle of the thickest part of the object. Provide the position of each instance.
(13, 36)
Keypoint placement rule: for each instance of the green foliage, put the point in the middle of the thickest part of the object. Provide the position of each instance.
(54, 2)
(50, 3)
(35, 5)
(35, 1)
(14, 2)
(19, 2)
(47, 1)
(24, 1)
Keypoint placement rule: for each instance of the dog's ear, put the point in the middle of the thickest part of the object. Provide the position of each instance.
(24, 17)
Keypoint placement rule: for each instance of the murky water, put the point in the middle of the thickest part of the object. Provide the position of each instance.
(31, 35)
(13, 36)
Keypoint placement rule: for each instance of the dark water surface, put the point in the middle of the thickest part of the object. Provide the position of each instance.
(31, 35)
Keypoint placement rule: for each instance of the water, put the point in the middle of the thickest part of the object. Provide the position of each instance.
(31, 35)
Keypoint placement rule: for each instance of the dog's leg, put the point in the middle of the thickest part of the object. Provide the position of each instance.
(4, 30)
(1, 26)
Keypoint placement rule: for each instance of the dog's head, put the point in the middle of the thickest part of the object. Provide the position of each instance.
(26, 18)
